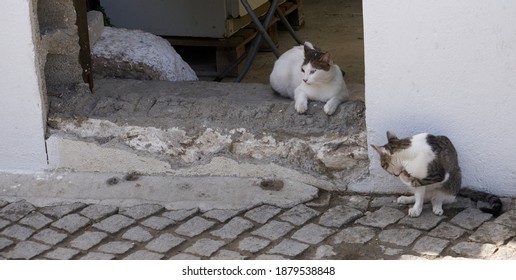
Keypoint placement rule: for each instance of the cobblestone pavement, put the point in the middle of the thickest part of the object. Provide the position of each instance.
(334, 226)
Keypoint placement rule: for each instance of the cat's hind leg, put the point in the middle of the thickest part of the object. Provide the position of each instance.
(419, 196)
(332, 104)
(438, 200)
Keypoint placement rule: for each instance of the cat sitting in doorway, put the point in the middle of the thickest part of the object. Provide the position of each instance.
(306, 73)
(429, 166)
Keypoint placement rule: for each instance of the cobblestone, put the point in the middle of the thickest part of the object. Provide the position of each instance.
(17, 210)
(27, 250)
(389, 201)
(273, 230)
(447, 231)
(179, 215)
(471, 218)
(400, 237)
(221, 215)
(35, 220)
(289, 248)
(88, 239)
(355, 201)
(205, 247)
(140, 211)
(114, 224)
(116, 247)
(4, 223)
(382, 217)
(426, 221)
(137, 234)
(158, 222)
(98, 256)
(253, 244)
(59, 211)
(508, 218)
(194, 227)
(228, 255)
(263, 213)
(4, 243)
(183, 256)
(97, 212)
(62, 254)
(233, 228)
(144, 255)
(18, 232)
(430, 246)
(339, 216)
(164, 243)
(355, 234)
(299, 215)
(492, 233)
(71, 223)
(50, 236)
(504, 254)
(312, 233)
(473, 249)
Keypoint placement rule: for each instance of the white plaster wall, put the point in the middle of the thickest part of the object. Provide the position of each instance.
(449, 68)
(22, 143)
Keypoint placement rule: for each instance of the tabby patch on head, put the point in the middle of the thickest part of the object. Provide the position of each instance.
(318, 59)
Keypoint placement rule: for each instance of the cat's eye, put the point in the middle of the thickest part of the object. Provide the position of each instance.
(313, 71)
(302, 70)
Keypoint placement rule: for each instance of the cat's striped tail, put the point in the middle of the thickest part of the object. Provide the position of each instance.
(495, 204)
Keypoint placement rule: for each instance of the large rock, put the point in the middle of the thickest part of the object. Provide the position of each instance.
(134, 54)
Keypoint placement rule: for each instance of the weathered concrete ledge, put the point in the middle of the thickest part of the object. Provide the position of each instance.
(206, 129)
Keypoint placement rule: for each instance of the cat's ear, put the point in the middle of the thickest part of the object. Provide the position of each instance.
(391, 136)
(379, 149)
(327, 58)
(308, 46)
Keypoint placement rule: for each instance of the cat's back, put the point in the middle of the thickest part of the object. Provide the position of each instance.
(286, 74)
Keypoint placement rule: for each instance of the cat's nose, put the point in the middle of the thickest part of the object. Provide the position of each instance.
(305, 80)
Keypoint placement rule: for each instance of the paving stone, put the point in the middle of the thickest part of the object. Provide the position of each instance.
(221, 215)
(16, 210)
(508, 219)
(205, 247)
(460, 203)
(389, 201)
(114, 224)
(71, 223)
(98, 256)
(322, 201)
(382, 217)
(158, 222)
(470, 218)
(3, 203)
(179, 215)
(50, 236)
(4, 243)
(299, 215)
(96, 212)
(400, 237)
(339, 216)
(183, 256)
(144, 255)
(164, 243)
(492, 233)
(504, 253)
(324, 252)
(233, 228)
(141, 211)
(194, 227)
(411, 258)
(447, 231)
(116, 247)
(426, 221)
(59, 211)
(88, 239)
(430, 246)
(270, 257)
(473, 249)
(263, 213)
(312, 233)
(137, 234)
(289, 248)
(26, 250)
(36, 220)
(18, 232)
(391, 251)
(273, 230)
(512, 243)
(353, 235)
(253, 244)
(4, 223)
(228, 255)
(62, 254)
(355, 201)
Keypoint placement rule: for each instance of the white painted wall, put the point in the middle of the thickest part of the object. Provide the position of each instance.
(444, 67)
(22, 143)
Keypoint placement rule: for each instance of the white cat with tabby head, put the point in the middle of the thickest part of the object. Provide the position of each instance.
(306, 73)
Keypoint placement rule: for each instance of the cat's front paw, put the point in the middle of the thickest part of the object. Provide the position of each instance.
(329, 108)
(301, 107)
(405, 199)
(415, 212)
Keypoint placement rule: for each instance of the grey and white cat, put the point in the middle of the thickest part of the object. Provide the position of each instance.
(429, 166)
(305, 72)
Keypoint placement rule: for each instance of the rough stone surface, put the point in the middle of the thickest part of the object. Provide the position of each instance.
(289, 248)
(508, 218)
(71, 223)
(504, 254)
(164, 243)
(98, 256)
(339, 216)
(4, 243)
(447, 231)
(135, 54)
(183, 256)
(35, 220)
(470, 218)
(228, 255)
(62, 254)
(355, 201)
(88, 239)
(492, 233)
(137, 234)
(473, 249)
(116, 247)
(4, 223)
(27, 250)
(355, 234)
(140, 211)
(158, 223)
(312, 233)
(400, 237)
(59, 211)
(194, 227)
(97, 212)
(430, 246)
(382, 217)
(205, 247)
(18, 232)
(253, 244)
(233, 228)
(427, 220)
(389, 201)
(179, 215)
(114, 224)
(299, 215)
(263, 213)
(17, 210)
(50, 236)
(273, 230)
(144, 255)
(221, 215)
